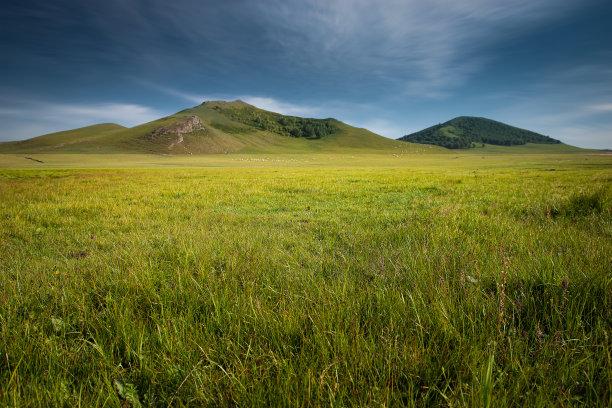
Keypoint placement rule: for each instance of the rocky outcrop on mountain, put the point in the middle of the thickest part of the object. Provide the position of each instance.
(173, 134)
(186, 125)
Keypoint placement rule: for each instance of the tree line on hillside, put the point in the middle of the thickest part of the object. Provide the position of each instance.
(292, 126)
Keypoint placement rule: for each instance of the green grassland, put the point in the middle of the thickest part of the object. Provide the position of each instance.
(423, 279)
(409, 155)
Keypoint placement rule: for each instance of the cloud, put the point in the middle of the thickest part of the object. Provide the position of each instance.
(590, 137)
(33, 119)
(125, 114)
(426, 48)
(11, 112)
(262, 102)
(417, 47)
(187, 96)
(606, 107)
(285, 108)
(381, 127)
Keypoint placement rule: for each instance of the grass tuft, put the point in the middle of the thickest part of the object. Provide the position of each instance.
(584, 204)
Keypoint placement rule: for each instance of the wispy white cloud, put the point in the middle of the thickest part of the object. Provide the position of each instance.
(591, 136)
(191, 97)
(124, 114)
(11, 112)
(285, 108)
(262, 102)
(605, 107)
(425, 47)
(381, 127)
(52, 117)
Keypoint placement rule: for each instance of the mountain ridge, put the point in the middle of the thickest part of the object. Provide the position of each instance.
(238, 127)
(224, 127)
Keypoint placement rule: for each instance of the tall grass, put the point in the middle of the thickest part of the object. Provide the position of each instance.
(304, 287)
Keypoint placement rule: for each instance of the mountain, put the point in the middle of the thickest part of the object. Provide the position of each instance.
(212, 127)
(466, 131)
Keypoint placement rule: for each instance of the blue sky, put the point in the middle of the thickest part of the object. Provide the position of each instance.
(392, 66)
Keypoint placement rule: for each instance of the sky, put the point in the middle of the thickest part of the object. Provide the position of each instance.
(392, 66)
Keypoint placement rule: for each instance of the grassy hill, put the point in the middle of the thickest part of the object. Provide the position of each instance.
(62, 141)
(469, 132)
(212, 127)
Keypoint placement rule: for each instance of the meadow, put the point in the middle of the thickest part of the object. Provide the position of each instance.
(397, 280)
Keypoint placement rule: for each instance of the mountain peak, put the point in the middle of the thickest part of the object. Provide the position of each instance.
(227, 104)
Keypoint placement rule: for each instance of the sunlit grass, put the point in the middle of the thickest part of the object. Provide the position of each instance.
(306, 284)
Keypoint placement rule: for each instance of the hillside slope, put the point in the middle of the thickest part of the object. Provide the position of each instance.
(212, 127)
(466, 132)
(69, 140)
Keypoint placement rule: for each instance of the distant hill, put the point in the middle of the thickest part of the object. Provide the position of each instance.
(466, 132)
(212, 127)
